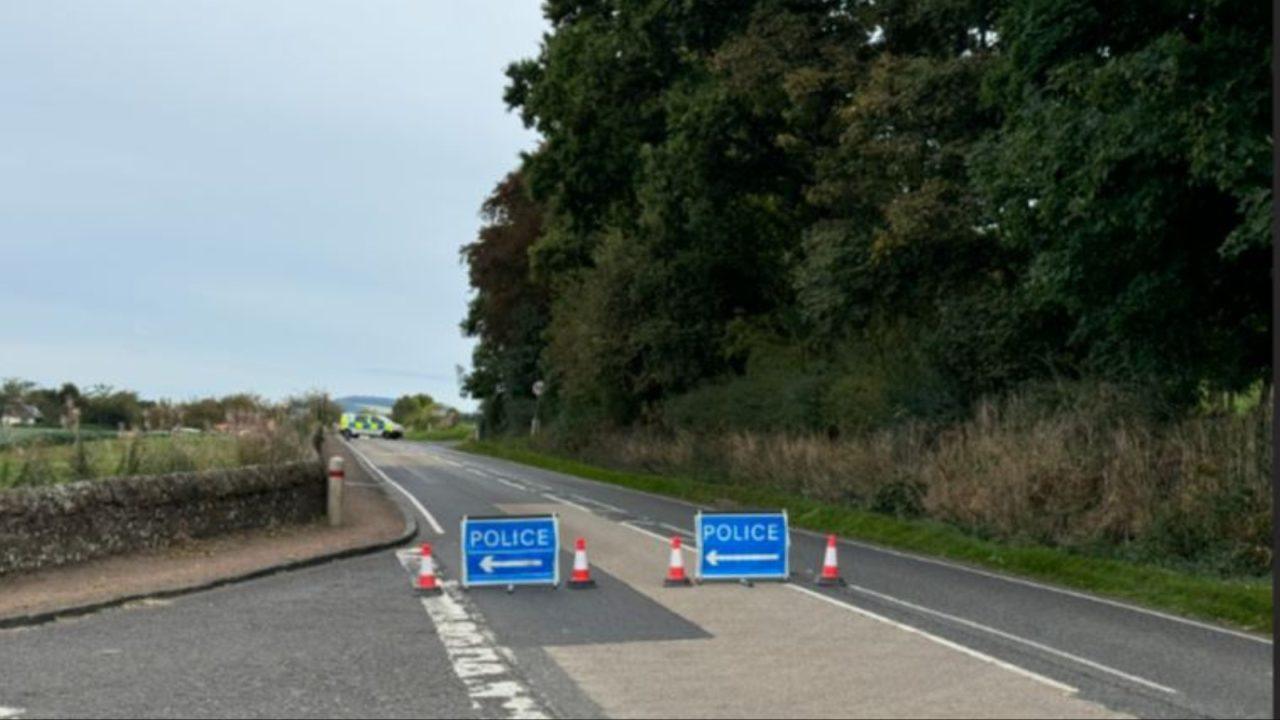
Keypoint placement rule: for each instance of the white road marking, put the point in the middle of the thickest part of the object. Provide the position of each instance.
(508, 483)
(604, 505)
(570, 503)
(10, 712)
(852, 608)
(958, 620)
(378, 471)
(941, 641)
(1008, 636)
(483, 666)
(1041, 586)
(965, 568)
(677, 530)
(659, 538)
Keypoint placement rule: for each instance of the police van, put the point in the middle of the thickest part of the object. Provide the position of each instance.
(354, 425)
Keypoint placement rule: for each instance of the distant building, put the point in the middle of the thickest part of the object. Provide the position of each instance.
(20, 414)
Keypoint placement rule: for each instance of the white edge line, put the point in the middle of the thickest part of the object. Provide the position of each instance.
(968, 651)
(948, 643)
(378, 471)
(941, 641)
(955, 566)
(1039, 585)
(1008, 636)
(11, 712)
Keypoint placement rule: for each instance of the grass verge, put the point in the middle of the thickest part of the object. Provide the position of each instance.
(457, 432)
(1242, 603)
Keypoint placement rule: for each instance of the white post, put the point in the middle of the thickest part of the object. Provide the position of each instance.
(336, 477)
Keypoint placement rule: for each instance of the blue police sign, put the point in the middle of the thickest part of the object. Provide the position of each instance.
(510, 550)
(743, 546)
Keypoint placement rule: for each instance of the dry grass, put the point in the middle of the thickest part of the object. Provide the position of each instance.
(1092, 475)
(251, 441)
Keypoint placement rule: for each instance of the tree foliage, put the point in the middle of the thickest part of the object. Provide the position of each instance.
(874, 210)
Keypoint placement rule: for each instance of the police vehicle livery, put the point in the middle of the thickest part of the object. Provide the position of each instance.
(354, 425)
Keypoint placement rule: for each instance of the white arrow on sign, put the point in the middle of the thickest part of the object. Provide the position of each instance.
(488, 564)
(715, 558)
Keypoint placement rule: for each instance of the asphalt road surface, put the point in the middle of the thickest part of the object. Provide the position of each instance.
(909, 636)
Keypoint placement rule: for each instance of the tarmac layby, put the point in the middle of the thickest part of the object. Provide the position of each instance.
(906, 636)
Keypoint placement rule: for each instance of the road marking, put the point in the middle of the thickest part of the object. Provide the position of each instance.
(677, 530)
(378, 471)
(1008, 636)
(511, 484)
(968, 651)
(941, 641)
(570, 503)
(656, 536)
(1041, 586)
(9, 712)
(963, 568)
(604, 505)
(483, 666)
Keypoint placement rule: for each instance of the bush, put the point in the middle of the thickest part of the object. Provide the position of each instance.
(1090, 467)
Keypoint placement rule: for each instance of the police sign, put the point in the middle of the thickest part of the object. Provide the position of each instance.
(510, 550)
(742, 546)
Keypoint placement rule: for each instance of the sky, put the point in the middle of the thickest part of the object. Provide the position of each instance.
(199, 198)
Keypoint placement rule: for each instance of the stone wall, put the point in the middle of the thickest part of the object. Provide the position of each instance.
(49, 526)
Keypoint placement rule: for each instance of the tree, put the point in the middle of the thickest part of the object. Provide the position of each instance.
(1132, 172)
(510, 309)
(413, 411)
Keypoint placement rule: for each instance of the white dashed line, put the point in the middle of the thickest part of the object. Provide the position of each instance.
(570, 503)
(597, 503)
(10, 712)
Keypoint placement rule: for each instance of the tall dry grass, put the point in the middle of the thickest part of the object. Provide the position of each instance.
(1095, 473)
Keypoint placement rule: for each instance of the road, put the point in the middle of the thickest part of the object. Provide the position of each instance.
(909, 636)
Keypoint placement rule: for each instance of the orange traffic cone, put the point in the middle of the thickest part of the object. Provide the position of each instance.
(426, 582)
(581, 577)
(830, 572)
(675, 568)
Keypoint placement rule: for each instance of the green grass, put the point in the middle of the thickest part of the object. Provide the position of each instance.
(461, 431)
(11, 437)
(1242, 603)
(51, 463)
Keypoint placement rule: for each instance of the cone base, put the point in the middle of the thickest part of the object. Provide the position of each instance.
(580, 584)
(831, 582)
(429, 590)
(673, 582)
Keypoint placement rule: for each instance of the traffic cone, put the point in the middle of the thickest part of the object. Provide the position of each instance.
(675, 568)
(830, 572)
(581, 576)
(426, 582)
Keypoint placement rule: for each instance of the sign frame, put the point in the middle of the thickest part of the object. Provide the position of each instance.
(785, 576)
(469, 582)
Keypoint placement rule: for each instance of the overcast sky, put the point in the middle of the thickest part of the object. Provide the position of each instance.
(209, 197)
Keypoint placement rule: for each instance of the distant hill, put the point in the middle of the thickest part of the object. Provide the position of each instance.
(356, 403)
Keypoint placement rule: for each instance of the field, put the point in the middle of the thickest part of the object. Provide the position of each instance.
(33, 458)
